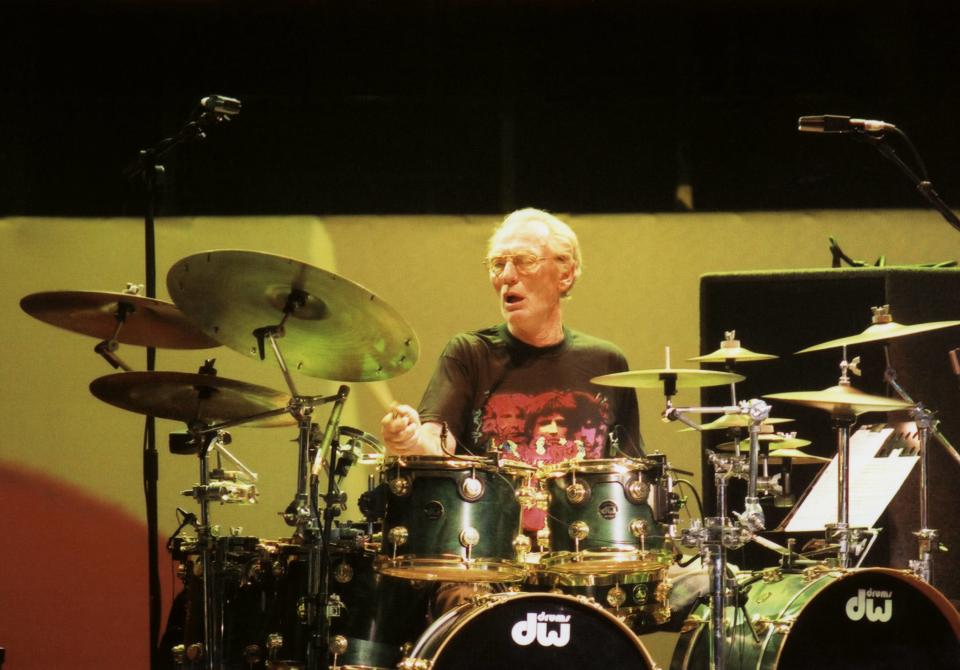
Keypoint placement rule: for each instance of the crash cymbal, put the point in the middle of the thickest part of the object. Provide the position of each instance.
(883, 328)
(148, 322)
(337, 330)
(730, 350)
(187, 397)
(728, 421)
(842, 400)
(648, 379)
(772, 440)
(777, 457)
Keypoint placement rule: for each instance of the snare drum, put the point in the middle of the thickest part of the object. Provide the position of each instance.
(601, 519)
(532, 631)
(873, 618)
(451, 519)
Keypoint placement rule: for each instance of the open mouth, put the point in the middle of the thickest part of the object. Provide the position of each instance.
(512, 298)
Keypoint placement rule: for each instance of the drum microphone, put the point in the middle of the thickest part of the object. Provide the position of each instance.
(831, 123)
(221, 104)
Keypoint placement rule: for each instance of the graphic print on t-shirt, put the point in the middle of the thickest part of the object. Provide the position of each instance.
(547, 427)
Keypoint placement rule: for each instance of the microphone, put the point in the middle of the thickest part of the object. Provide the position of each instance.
(831, 123)
(221, 104)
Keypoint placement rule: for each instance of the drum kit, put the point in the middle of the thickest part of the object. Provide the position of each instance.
(355, 595)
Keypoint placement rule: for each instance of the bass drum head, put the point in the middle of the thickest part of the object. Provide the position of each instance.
(872, 618)
(532, 631)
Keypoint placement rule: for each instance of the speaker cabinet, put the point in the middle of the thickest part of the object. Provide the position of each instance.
(783, 312)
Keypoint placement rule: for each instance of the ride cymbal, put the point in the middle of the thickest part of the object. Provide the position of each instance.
(190, 398)
(147, 322)
(842, 400)
(332, 328)
(655, 378)
(778, 456)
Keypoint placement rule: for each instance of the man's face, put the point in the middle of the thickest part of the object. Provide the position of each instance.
(528, 299)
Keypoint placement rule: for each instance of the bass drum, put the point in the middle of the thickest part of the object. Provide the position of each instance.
(532, 631)
(873, 618)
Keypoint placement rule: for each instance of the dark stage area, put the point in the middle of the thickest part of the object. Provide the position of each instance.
(480, 107)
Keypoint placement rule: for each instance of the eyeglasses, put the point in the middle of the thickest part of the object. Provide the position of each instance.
(522, 263)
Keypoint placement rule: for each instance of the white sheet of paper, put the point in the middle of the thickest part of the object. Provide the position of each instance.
(873, 483)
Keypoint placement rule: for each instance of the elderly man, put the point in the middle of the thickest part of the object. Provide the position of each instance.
(529, 371)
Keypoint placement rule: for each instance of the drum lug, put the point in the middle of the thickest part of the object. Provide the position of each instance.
(637, 491)
(398, 536)
(415, 664)
(521, 545)
(762, 625)
(771, 575)
(400, 486)
(543, 539)
(338, 646)
(274, 645)
(469, 537)
(343, 573)
(579, 530)
(577, 492)
(616, 597)
(471, 488)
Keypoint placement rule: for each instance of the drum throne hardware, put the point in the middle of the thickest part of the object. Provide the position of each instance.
(882, 329)
(715, 535)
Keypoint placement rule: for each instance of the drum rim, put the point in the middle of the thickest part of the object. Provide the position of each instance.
(489, 601)
(492, 569)
(561, 578)
(596, 466)
(626, 559)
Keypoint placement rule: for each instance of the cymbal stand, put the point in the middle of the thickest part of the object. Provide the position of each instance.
(927, 538)
(841, 531)
(305, 515)
(108, 348)
(716, 535)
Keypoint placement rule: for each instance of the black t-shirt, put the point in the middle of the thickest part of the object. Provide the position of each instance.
(535, 403)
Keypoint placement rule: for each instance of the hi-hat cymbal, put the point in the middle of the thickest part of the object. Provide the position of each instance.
(337, 329)
(842, 400)
(648, 379)
(148, 322)
(728, 421)
(773, 440)
(778, 456)
(881, 331)
(187, 397)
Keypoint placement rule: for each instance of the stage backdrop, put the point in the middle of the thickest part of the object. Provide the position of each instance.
(74, 571)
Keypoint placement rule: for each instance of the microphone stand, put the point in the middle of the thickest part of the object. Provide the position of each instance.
(923, 184)
(146, 166)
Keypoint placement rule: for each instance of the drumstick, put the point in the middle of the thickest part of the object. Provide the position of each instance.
(381, 391)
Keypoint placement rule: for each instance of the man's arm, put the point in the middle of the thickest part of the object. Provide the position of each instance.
(404, 435)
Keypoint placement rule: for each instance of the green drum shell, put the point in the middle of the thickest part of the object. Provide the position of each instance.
(640, 600)
(609, 510)
(430, 499)
(806, 623)
(380, 613)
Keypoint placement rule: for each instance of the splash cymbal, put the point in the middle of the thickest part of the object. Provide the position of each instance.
(648, 379)
(731, 351)
(842, 400)
(882, 328)
(795, 457)
(186, 397)
(728, 421)
(334, 329)
(774, 441)
(147, 322)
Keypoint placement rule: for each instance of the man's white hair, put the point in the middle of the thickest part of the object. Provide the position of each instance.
(561, 239)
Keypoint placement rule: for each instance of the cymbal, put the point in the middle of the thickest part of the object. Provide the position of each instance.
(178, 396)
(338, 329)
(149, 322)
(728, 421)
(648, 379)
(881, 331)
(777, 457)
(842, 399)
(781, 442)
